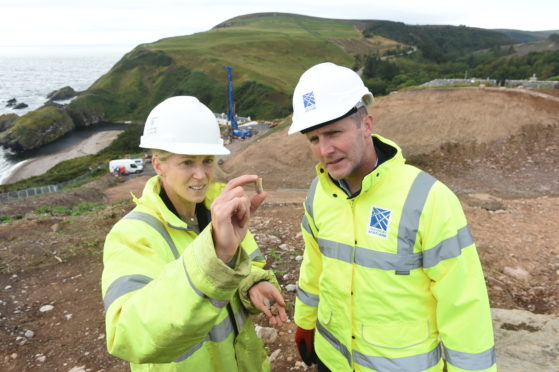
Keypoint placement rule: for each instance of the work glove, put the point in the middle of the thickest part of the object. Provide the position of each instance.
(304, 339)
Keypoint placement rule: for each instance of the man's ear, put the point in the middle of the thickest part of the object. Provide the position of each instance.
(368, 125)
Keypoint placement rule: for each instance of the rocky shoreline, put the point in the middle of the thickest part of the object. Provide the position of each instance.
(71, 146)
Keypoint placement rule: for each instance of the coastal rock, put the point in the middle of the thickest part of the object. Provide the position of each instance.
(61, 94)
(86, 112)
(36, 128)
(21, 105)
(7, 121)
(11, 102)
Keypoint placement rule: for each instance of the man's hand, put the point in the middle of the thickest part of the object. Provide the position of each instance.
(269, 300)
(231, 211)
(304, 339)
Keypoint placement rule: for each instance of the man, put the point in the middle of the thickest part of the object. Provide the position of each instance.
(390, 278)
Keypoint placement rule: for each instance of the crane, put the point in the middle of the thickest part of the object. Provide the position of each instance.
(231, 116)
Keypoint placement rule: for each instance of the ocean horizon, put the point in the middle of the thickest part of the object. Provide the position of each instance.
(30, 73)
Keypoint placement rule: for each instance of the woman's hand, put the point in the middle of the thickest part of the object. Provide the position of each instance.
(269, 300)
(231, 211)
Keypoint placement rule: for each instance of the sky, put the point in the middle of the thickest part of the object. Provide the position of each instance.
(127, 23)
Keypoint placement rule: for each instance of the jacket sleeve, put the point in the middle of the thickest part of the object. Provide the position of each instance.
(154, 310)
(306, 302)
(452, 263)
(257, 273)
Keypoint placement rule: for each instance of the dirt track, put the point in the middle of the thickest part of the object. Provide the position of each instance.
(500, 160)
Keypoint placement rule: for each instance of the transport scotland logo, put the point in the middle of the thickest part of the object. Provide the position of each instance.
(308, 101)
(380, 219)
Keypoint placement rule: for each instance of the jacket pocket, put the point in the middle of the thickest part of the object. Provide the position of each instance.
(396, 335)
(324, 315)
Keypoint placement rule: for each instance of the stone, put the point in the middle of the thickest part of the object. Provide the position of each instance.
(285, 247)
(29, 333)
(274, 355)
(517, 273)
(291, 287)
(78, 369)
(267, 334)
(46, 308)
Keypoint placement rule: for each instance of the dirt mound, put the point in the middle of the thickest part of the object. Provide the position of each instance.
(447, 131)
(282, 161)
(421, 121)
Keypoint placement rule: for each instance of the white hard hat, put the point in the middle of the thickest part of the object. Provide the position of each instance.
(324, 93)
(183, 125)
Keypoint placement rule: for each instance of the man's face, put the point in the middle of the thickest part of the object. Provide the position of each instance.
(345, 148)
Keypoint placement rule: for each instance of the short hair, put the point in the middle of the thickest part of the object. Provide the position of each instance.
(358, 116)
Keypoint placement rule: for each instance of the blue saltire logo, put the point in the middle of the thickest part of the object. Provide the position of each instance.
(379, 222)
(309, 102)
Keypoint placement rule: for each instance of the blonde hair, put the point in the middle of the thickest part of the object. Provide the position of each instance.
(162, 156)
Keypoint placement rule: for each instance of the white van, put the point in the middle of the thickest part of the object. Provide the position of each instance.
(139, 162)
(129, 166)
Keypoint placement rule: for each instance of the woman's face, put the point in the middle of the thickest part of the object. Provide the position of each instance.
(185, 177)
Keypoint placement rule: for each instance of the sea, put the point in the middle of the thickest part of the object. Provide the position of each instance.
(29, 74)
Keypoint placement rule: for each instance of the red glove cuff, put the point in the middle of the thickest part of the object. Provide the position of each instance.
(304, 339)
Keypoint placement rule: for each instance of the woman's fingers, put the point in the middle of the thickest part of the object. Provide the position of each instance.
(240, 181)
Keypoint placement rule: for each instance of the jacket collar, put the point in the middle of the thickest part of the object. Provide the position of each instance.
(395, 158)
(151, 200)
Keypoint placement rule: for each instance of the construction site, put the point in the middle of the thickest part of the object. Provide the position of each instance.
(496, 148)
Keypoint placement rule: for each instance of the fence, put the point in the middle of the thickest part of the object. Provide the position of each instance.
(22, 194)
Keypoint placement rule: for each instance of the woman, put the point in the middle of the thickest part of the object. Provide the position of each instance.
(181, 271)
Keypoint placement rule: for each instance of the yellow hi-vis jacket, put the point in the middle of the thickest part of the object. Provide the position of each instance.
(170, 303)
(391, 278)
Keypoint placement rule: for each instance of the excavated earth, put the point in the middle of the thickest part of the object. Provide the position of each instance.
(496, 148)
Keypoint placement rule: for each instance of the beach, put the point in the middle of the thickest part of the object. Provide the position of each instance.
(71, 147)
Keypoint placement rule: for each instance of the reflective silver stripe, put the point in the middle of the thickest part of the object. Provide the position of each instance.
(216, 303)
(306, 225)
(448, 248)
(386, 261)
(411, 212)
(240, 317)
(256, 255)
(123, 285)
(411, 363)
(338, 251)
(307, 298)
(157, 225)
(218, 333)
(310, 197)
(470, 362)
(334, 341)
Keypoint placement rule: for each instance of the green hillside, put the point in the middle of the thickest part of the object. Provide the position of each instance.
(268, 52)
(267, 55)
